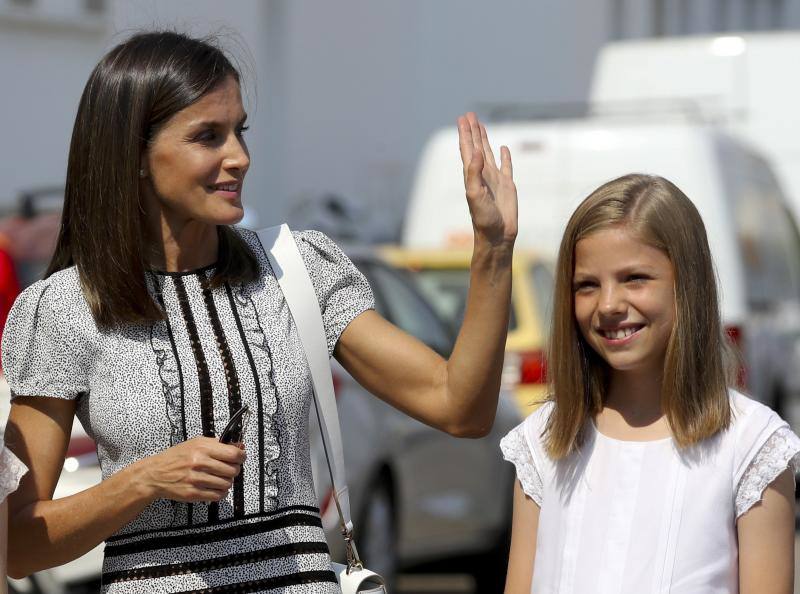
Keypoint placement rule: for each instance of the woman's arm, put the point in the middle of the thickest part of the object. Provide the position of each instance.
(524, 526)
(766, 541)
(46, 532)
(458, 395)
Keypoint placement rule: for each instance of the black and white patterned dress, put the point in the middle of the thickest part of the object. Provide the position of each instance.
(147, 387)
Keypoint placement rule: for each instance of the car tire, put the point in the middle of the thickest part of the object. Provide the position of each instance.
(376, 535)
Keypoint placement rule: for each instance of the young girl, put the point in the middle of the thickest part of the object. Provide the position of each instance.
(645, 473)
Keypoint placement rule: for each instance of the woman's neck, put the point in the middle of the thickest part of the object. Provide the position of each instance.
(181, 247)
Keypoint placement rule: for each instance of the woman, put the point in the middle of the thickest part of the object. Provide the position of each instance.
(157, 320)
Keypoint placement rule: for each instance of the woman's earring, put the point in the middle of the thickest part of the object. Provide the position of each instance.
(141, 172)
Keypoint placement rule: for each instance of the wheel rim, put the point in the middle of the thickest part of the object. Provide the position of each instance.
(379, 544)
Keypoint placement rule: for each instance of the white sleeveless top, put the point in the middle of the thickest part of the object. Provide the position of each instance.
(11, 471)
(629, 517)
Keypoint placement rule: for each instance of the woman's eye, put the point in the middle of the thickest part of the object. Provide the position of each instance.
(207, 136)
(242, 130)
(582, 286)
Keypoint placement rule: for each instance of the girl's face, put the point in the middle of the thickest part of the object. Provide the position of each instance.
(624, 299)
(195, 166)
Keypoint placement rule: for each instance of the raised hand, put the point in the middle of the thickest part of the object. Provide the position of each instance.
(491, 193)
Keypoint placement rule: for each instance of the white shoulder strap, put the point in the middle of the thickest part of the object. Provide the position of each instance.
(294, 281)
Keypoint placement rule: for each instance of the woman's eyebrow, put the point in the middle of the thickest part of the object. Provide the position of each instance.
(205, 123)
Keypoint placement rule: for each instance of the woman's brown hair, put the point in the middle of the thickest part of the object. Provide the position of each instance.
(134, 90)
(695, 378)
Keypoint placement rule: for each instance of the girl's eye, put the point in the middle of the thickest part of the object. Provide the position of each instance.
(582, 286)
(637, 278)
(242, 130)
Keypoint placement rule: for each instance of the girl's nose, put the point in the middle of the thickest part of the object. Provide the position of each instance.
(611, 301)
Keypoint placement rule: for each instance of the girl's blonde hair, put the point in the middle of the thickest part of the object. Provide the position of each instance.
(695, 380)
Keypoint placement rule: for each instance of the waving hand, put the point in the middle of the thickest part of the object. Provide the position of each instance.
(491, 194)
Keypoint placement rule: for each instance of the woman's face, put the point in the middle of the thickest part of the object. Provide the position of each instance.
(195, 166)
(624, 299)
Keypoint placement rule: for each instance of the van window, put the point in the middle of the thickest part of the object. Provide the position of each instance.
(766, 231)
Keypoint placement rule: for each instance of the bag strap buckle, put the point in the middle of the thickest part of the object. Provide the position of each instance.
(353, 560)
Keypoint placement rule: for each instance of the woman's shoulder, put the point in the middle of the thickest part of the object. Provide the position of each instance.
(58, 295)
(314, 245)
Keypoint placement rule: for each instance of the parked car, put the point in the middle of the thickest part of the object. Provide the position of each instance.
(418, 494)
(753, 237)
(443, 276)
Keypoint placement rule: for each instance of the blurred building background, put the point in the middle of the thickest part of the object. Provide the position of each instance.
(342, 95)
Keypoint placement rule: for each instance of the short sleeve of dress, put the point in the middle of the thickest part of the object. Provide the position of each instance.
(41, 351)
(516, 450)
(779, 452)
(11, 471)
(343, 292)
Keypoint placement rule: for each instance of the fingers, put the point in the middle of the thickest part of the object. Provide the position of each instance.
(474, 177)
(475, 131)
(221, 469)
(487, 148)
(465, 143)
(505, 162)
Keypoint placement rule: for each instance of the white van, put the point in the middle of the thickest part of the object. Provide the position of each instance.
(745, 81)
(557, 163)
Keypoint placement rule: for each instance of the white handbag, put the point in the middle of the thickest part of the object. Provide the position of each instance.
(295, 283)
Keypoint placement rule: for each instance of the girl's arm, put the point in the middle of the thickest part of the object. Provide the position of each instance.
(3, 545)
(524, 526)
(46, 532)
(766, 541)
(460, 395)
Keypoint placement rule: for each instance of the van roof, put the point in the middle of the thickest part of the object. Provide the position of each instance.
(557, 163)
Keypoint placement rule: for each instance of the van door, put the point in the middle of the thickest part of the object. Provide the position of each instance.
(769, 242)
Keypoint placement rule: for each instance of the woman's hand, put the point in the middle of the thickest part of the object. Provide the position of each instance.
(199, 469)
(491, 194)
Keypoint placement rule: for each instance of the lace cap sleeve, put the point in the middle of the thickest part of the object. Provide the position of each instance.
(779, 452)
(42, 353)
(516, 450)
(11, 471)
(343, 292)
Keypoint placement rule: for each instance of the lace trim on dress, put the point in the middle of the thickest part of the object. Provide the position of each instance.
(11, 471)
(781, 451)
(515, 450)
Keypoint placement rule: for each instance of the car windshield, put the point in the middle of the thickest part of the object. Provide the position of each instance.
(446, 290)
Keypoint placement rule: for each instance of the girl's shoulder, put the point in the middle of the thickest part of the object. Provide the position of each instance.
(748, 415)
(752, 425)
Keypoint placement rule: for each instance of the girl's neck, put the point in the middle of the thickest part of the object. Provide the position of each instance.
(182, 247)
(636, 397)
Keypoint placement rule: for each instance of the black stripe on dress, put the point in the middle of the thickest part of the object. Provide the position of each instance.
(284, 581)
(289, 508)
(225, 562)
(194, 539)
(257, 381)
(160, 297)
(203, 378)
(231, 381)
